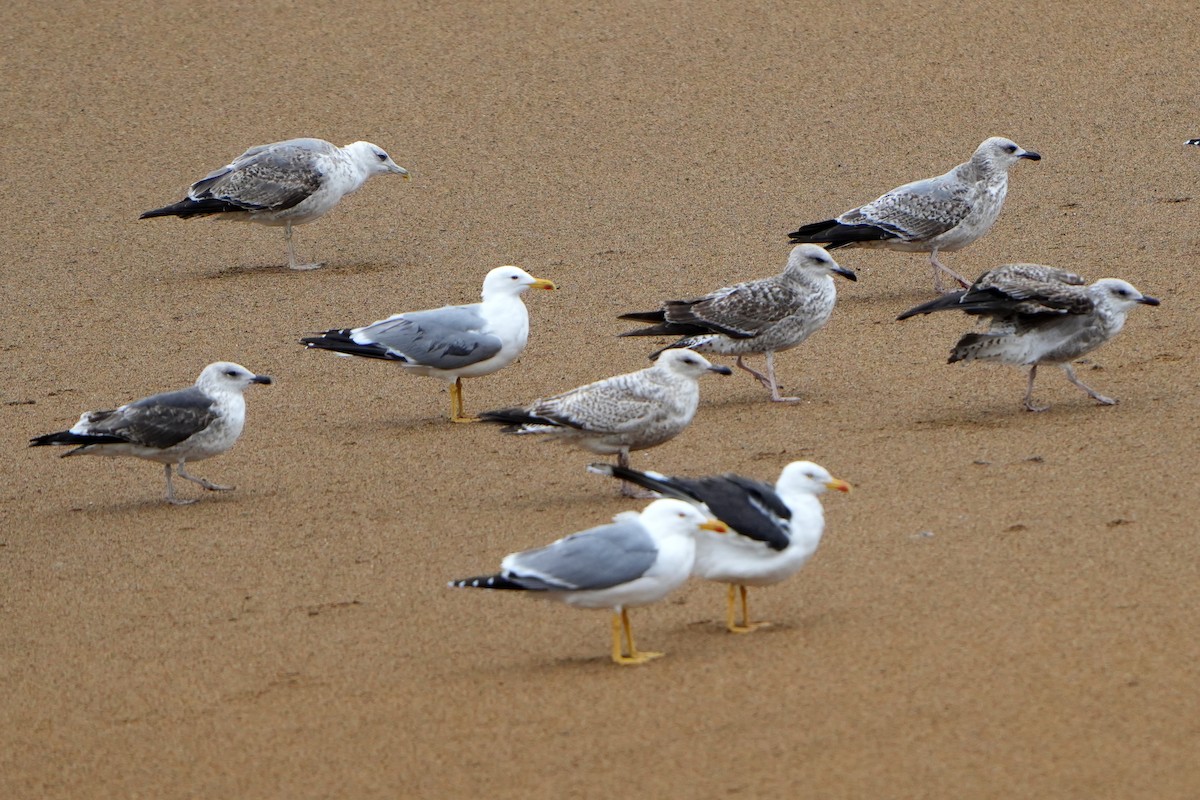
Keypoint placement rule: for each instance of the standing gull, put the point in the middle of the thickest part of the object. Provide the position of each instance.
(774, 530)
(285, 183)
(450, 343)
(1039, 315)
(764, 316)
(191, 424)
(627, 412)
(943, 213)
(635, 560)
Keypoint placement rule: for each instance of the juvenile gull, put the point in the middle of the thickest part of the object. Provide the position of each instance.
(1038, 315)
(452, 342)
(286, 183)
(191, 424)
(769, 315)
(627, 412)
(943, 213)
(773, 530)
(635, 560)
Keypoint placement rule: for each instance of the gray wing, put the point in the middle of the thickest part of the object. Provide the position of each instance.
(597, 558)
(1032, 289)
(269, 177)
(443, 338)
(742, 311)
(160, 421)
(916, 211)
(619, 404)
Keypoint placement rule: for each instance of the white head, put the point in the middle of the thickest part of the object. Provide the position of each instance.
(512, 281)
(805, 477)
(1119, 295)
(374, 159)
(228, 377)
(675, 517)
(813, 259)
(682, 361)
(1000, 154)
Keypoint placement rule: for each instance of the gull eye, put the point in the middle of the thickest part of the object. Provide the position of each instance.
(1010, 148)
(233, 373)
(382, 156)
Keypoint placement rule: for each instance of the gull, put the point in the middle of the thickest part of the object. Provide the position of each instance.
(943, 213)
(773, 530)
(191, 424)
(769, 315)
(634, 411)
(452, 342)
(635, 560)
(1039, 315)
(286, 183)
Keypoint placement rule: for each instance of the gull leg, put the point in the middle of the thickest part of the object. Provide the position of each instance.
(292, 252)
(628, 489)
(763, 379)
(776, 397)
(747, 626)
(939, 268)
(456, 403)
(1092, 393)
(212, 487)
(171, 498)
(621, 622)
(1029, 405)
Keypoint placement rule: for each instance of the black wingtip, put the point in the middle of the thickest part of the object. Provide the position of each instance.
(486, 582)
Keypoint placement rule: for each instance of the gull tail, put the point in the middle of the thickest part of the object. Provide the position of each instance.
(978, 346)
(486, 582)
(944, 303)
(69, 438)
(833, 234)
(339, 341)
(653, 481)
(188, 207)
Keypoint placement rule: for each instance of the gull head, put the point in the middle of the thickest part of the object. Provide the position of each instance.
(374, 159)
(510, 280)
(229, 377)
(689, 363)
(815, 260)
(669, 516)
(1119, 295)
(805, 477)
(1000, 153)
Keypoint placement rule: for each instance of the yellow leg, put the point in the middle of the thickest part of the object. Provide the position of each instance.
(747, 626)
(456, 403)
(621, 622)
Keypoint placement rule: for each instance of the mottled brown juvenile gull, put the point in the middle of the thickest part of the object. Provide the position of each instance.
(943, 213)
(191, 424)
(763, 316)
(452, 342)
(635, 560)
(634, 411)
(1039, 315)
(285, 183)
(773, 530)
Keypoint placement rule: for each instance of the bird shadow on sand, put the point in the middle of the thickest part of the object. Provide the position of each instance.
(244, 270)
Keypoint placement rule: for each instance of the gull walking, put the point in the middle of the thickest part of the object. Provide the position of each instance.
(945, 213)
(1039, 315)
(635, 560)
(773, 530)
(191, 424)
(285, 183)
(448, 343)
(634, 411)
(769, 315)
